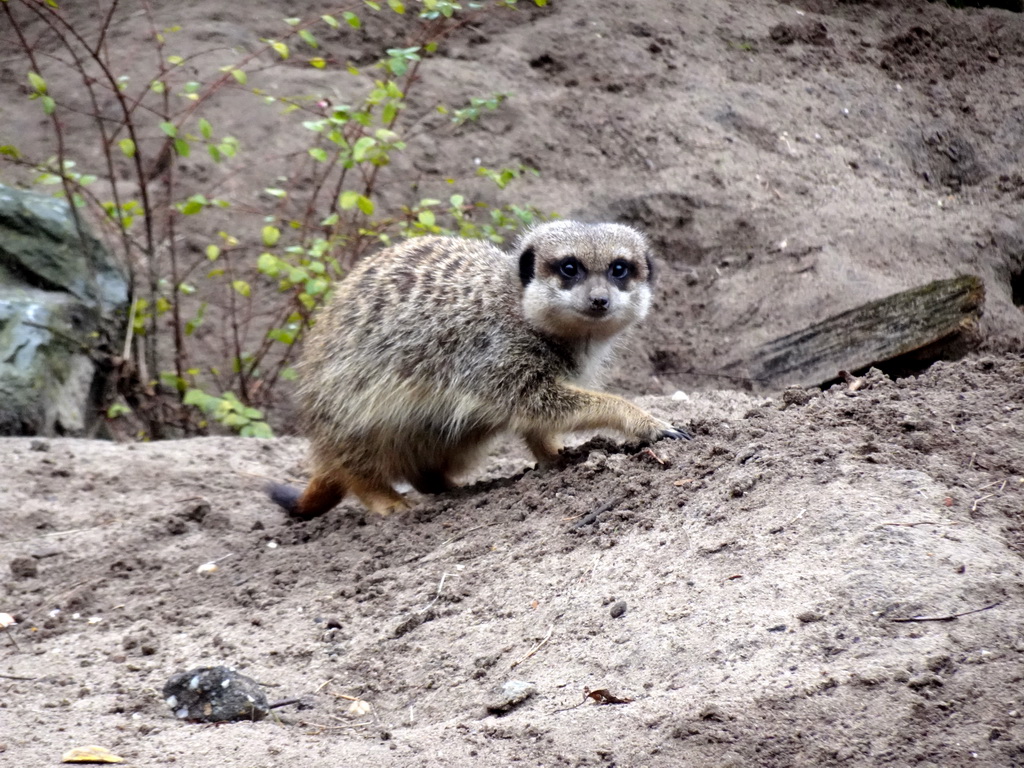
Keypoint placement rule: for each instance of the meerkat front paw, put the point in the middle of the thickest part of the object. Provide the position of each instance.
(661, 430)
(675, 433)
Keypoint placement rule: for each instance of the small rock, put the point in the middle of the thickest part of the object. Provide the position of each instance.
(39, 445)
(809, 617)
(924, 680)
(796, 396)
(176, 526)
(24, 567)
(511, 694)
(214, 695)
(618, 609)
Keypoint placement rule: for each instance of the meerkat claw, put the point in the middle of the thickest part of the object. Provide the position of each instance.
(674, 433)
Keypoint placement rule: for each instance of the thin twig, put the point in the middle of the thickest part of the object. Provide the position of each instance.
(283, 703)
(535, 648)
(951, 617)
(11, 638)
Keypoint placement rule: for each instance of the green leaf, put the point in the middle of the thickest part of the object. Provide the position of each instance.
(241, 287)
(289, 374)
(268, 264)
(127, 147)
(330, 21)
(157, 86)
(362, 147)
(169, 129)
(271, 235)
(365, 205)
(239, 76)
(308, 39)
(48, 105)
(427, 218)
(318, 153)
(117, 409)
(347, 200)
(318, 62)
(182, 147)
(352, 20)
(205, 128)
(293, 21)
(174, 60)
(316, 286)
(201, 400)
(257, 429)
(275, 192)
(280, 48)
(37, 81)
(212, 252)
(193, 205)
(397, 6)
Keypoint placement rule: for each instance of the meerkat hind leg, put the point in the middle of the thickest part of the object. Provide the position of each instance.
(432, 481)
(377, 495)
(544, 446)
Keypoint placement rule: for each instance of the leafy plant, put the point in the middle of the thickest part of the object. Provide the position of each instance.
(228, 317)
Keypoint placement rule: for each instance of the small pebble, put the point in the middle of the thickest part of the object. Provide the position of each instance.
(24, 567)
(618, 609)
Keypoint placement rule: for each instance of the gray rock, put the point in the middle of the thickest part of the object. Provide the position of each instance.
(509, 695)
(63, 300)
(214, 695)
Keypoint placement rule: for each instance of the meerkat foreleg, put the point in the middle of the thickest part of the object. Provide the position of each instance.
(570, 408)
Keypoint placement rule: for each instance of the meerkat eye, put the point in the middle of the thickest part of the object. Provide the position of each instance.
(569, 268)
(619, 270)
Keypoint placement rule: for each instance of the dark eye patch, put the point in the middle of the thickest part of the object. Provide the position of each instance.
(526, 265)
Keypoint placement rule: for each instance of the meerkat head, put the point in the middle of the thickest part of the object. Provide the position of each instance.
(584, 280)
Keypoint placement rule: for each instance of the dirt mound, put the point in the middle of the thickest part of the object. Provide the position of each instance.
(749, 591)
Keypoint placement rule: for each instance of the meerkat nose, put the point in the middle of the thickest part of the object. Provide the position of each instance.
(599, 303)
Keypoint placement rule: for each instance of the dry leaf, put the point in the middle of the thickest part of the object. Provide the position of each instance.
(90, 754)
(603, 696)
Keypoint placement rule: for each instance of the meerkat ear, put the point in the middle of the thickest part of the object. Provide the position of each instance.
(651, 271)
(526, 265)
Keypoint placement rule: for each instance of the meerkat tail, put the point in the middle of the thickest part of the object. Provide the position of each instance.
(320, 496)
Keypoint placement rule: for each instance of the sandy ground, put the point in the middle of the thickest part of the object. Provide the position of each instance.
(746, 590)
(764, 569)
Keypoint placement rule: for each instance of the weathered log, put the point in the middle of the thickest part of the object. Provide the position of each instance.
(868, 335)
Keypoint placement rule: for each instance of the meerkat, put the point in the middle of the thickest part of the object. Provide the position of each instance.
(430, 348)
